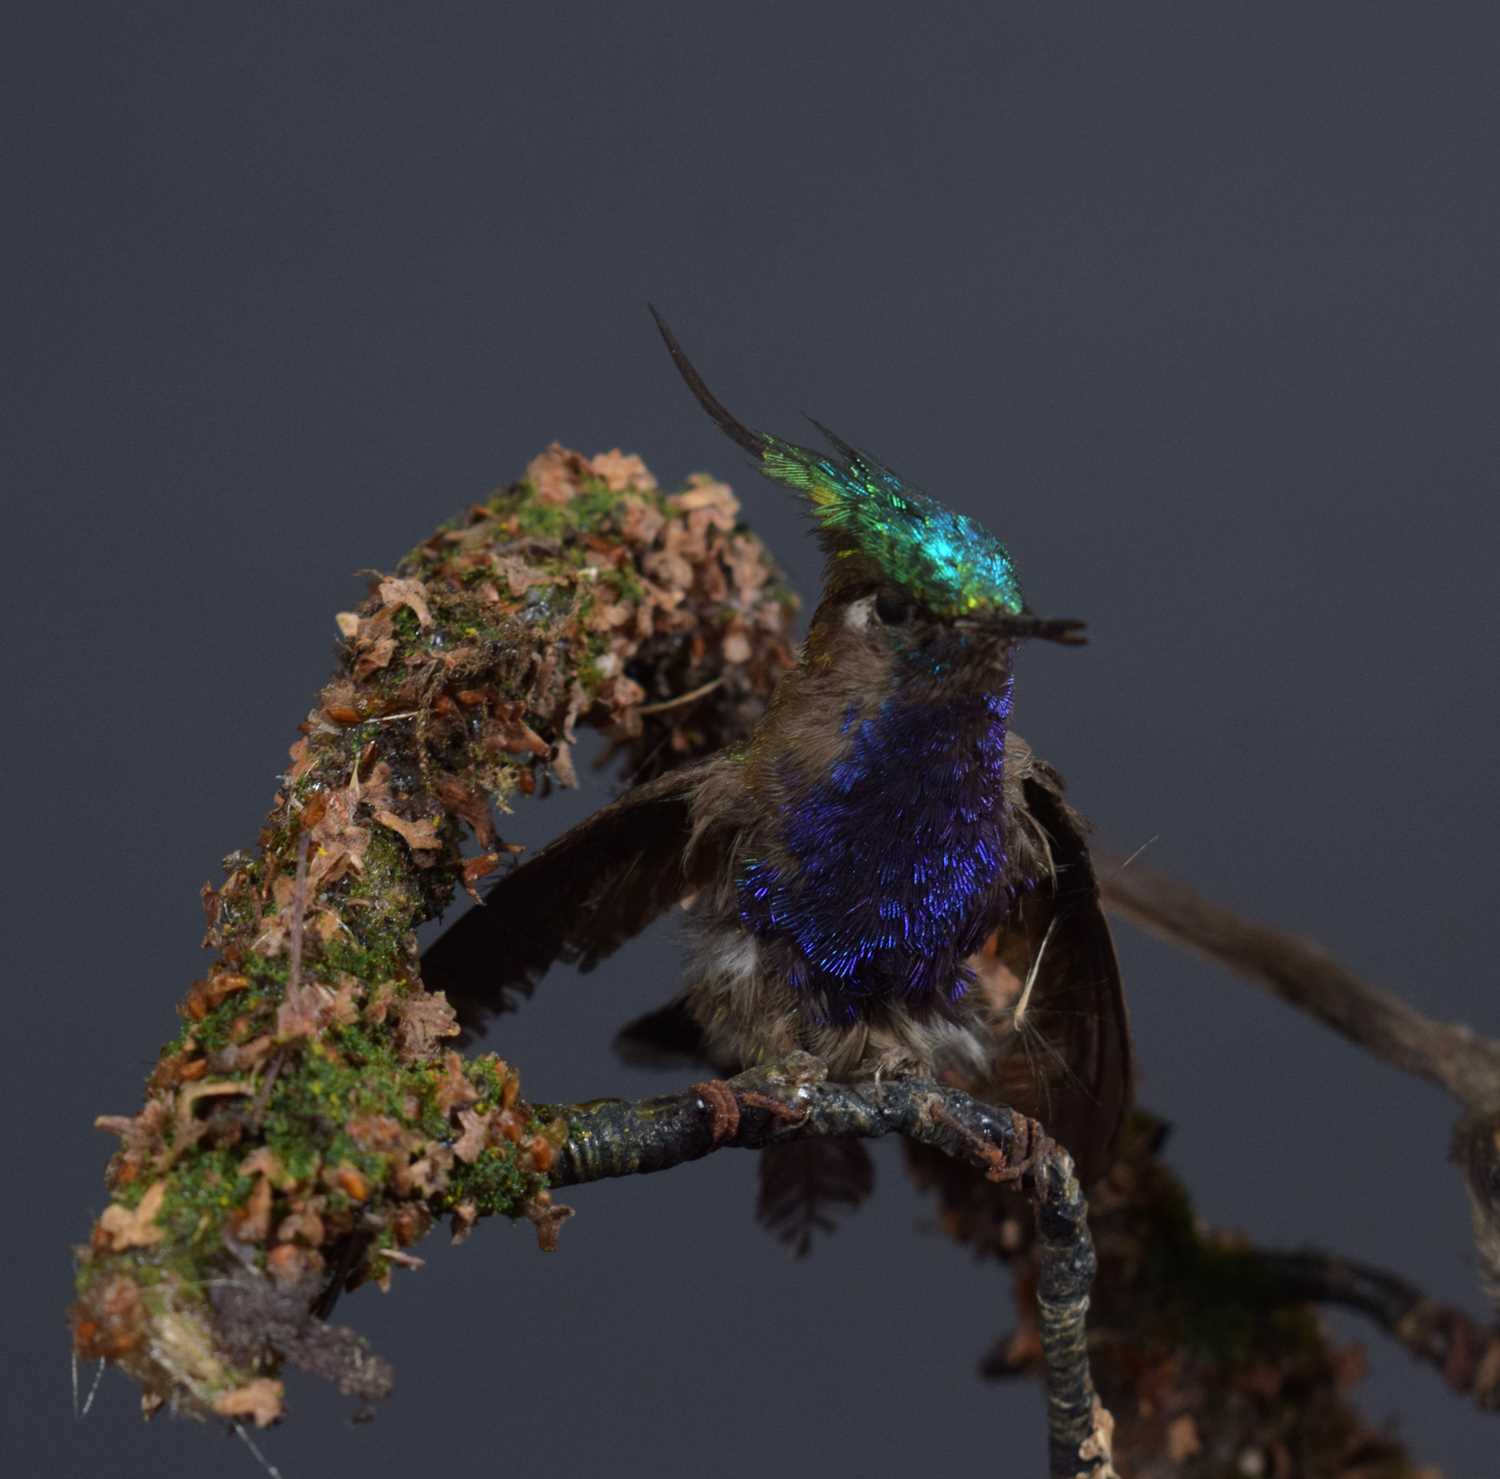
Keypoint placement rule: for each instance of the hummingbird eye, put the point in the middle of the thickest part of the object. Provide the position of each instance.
(892, 608)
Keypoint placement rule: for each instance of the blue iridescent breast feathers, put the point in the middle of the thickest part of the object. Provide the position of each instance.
(881, 884)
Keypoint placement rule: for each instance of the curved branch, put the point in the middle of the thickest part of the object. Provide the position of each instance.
(1308, 978)
(1467, 1354)
(1460, 1060)
(791, 1100)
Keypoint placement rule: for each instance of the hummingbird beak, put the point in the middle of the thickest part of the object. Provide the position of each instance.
(1066, 630)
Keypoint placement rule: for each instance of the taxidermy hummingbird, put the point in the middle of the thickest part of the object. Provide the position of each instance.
(883, 875)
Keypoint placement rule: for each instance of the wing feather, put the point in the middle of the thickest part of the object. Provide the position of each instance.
(1067, 1062)
(579, 899)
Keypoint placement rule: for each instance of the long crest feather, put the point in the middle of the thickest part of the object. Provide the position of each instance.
(953, 565)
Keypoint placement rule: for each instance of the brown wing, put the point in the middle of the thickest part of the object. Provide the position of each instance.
(579, 899)
(1069, 1064)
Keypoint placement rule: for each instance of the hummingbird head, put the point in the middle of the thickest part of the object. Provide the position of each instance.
(903, 569)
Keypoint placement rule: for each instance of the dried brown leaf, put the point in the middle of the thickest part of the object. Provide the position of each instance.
(337, 843)
(410, 593)
(422, 835)
(555, 474)
(422, 1017)
(382, 998)
(519, 577)
(621, 692)
(709, 497)
(454, 1090)
(253, 1224)
(476, 1134)
(468, 804)
(669, 567)
(476, 868)
(302, 1012)
(547, 1217)
(373, 657)
(604, 616)
(377, 1132)
(304, 1226)
(509, 732)
(375, 789)
(260, 1400)
(238, 1057)
(465, 1219)
(291, 1265)
(640, 521)
(426, 1175)
(747, 566)
(562, 765)
(135, 1227)
(264, 1162)
(622, 471)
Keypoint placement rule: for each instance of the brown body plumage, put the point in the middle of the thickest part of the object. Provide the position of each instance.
(883, 876)
(1064, 1057)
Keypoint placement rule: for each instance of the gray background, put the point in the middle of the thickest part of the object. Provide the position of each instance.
(1195, 305)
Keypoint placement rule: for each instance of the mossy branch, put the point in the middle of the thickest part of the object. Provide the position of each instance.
(310, 1122)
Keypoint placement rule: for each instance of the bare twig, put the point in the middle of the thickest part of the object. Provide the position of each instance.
(1306, 977)
(791, 1100)
(1467, 1354)
(682, 699)
(1449, 1054)
(299, 920)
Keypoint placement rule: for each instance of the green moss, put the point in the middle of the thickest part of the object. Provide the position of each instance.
(215, 1030)
(592, 509)
(496, 1185)
(268, 974)
(356, 1072)
(202, 1190)
(405, 625)
(367, 961)
(1224, 1307)
(625, 583)
(489, 1075)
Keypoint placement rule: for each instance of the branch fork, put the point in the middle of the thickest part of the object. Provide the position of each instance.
(793, 1099)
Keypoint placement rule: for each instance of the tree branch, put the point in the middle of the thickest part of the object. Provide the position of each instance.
(1449, 1054)
(791, 1100)
(1308, 978)
(1467, 1355)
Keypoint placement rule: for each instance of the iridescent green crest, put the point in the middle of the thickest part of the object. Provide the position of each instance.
(946, 561)
(952, 565)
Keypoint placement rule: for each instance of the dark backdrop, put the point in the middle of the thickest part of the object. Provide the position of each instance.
(1195, 304)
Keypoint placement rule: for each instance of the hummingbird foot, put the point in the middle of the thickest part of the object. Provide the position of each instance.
(793, 1114)
(725, 1104)
(722, 1106)
(1031, 1146)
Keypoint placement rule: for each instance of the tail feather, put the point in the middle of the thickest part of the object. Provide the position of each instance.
(807, 1187)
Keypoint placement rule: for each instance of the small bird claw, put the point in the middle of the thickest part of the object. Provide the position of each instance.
(723, 1108)
(725, 1104)
(793, 1114)
(1032, 1145)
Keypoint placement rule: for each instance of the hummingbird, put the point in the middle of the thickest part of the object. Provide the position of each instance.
(883, 874)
